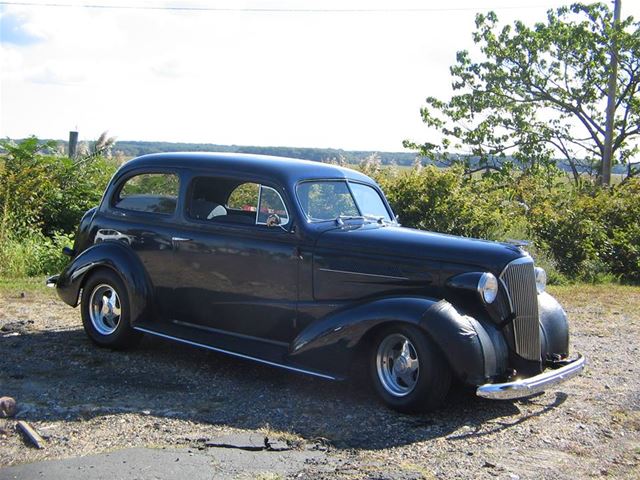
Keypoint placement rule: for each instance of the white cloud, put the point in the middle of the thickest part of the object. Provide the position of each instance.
(350, 80)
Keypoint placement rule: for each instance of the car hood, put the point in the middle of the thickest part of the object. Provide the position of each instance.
(411, 243)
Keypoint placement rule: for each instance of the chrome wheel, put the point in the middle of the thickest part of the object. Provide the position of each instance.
(104, 309)
(397, 365)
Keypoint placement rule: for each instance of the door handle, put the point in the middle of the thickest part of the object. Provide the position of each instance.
(175, 241)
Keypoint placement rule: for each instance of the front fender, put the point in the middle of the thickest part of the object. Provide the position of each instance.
(554, 326)
(117, 257)
(467, 344)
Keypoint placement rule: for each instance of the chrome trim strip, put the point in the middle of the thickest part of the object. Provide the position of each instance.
(82, 270)
(517, 261)
(225, 332)
(235, 354)
(390, 277)
(530, 386)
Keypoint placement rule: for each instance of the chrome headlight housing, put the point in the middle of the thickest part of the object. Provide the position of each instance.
(488, 287)
(541, 279)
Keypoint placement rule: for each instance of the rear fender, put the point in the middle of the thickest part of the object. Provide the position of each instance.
(117, 257)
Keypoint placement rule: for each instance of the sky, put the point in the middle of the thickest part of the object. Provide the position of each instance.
(345, 74)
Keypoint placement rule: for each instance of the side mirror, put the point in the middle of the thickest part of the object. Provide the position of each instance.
(273, 220)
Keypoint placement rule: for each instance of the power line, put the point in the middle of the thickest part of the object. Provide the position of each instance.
(269, 10)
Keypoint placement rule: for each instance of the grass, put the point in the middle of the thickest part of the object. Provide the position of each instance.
(612, 298)
(15, 286)
(600, 310)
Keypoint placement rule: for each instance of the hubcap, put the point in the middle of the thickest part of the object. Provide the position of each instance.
(104, 309)
(397, 365)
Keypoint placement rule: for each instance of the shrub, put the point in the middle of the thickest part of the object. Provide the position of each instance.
(594, 233)
(442, 201)
(582, 232)
(47, 193)
(33, 254)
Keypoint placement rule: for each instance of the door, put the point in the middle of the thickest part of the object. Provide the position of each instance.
(141, 213)
(237, 260)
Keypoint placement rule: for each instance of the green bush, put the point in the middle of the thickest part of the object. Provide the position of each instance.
(594, 233)
(42, 198)
(443, 201)
(33, 254)
(49, 193)
(580, 232)
(585, 232)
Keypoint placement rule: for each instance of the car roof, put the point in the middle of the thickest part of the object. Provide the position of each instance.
(286, 170)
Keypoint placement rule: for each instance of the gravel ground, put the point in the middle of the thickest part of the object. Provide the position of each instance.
(84, 400)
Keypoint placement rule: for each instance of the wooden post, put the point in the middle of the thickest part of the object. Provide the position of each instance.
(73, 144)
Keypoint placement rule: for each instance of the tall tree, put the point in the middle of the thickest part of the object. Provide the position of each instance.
(539, 92)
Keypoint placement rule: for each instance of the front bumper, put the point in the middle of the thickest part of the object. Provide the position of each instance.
(530, 386)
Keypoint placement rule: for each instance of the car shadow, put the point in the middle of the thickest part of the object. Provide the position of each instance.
(60, 375)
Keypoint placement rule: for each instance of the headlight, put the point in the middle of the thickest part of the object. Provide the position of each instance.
(541, 279)
(488, 287)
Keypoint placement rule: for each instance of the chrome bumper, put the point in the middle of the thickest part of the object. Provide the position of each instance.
(532, 385)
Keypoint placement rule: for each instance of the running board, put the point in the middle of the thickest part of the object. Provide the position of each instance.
(235, 354)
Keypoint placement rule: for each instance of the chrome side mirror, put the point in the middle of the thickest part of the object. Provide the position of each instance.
(273, 220)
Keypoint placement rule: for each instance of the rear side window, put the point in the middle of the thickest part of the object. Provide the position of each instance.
(149, 192)
(227, 200)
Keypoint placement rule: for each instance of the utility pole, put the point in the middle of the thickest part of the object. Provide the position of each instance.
(73, 143)
(605, 172)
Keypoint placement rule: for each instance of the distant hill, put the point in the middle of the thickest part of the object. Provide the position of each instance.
(131, 149)
(352, 157)
(135, 148)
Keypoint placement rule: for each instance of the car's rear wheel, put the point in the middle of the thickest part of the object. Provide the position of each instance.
(105, 311)
(408, 371)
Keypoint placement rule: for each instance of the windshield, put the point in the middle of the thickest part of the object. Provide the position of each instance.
(328, 200)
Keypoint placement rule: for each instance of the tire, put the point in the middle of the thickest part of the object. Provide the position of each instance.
(106, 313)
(421, 378)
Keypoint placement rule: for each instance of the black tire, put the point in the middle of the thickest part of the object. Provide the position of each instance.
(405, 388)
(105, 317)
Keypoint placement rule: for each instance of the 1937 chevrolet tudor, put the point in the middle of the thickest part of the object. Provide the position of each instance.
(302, 265)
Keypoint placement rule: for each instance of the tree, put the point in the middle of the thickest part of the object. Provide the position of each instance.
(541, 92)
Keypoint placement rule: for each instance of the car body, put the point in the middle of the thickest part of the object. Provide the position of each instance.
(302, 265)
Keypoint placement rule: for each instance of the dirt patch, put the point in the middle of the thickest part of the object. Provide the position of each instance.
(84, 401)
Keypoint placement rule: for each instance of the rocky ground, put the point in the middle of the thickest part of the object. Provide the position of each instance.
(83, 401)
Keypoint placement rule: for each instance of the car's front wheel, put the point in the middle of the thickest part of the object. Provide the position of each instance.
(408, 371)
(105, 311)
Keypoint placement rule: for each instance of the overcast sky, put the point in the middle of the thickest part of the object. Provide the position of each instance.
(263, 72)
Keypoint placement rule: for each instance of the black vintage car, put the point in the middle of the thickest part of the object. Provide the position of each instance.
(302, 265)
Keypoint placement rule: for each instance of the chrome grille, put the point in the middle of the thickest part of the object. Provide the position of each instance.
(519, 278)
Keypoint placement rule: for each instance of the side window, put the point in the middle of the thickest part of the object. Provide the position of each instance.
(149, 192)
(271, 203)
(224, 200)
(244, 197)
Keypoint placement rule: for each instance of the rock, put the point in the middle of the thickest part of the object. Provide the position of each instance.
(7, 407)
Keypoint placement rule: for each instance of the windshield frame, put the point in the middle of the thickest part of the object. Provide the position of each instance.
(348, 181)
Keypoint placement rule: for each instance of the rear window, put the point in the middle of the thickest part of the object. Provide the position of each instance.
(149, 192)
